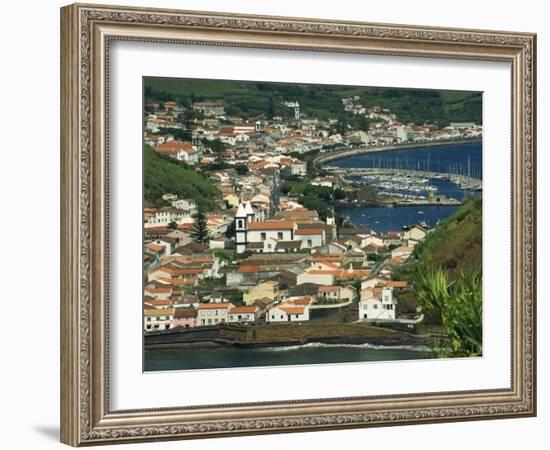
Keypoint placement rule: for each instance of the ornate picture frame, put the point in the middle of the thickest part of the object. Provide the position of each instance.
(86, 34)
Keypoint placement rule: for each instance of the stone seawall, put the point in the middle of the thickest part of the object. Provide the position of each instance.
(280, 335)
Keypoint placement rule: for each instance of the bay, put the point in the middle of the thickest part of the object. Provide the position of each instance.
(224, 357)
(451, 158)
(445, 159)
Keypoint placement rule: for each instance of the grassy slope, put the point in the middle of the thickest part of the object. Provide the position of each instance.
(324, 101)
(456, 244)
(201, 88)
(163, 174)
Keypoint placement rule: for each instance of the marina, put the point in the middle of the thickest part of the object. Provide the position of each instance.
(414, 180)
(423, 185)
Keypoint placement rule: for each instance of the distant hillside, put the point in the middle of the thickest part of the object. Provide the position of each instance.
(163, 174)
(249, 99)
(456, 243)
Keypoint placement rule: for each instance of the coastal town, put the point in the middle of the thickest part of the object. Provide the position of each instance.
(269, 247)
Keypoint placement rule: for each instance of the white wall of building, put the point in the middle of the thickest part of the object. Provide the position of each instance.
(375, 308)
(279, 315)
(262, 235)
(324, 279)
(212, 316)
(310, 240)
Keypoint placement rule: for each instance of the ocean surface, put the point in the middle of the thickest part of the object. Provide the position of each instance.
(220, 357)
(457, 158)
(382, 219)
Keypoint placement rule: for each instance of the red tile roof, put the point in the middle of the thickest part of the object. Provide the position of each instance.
(243, 310)
(225, 305)
(272, 225)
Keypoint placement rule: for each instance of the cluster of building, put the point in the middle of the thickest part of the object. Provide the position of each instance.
(256, 139)
(284, 268)
(284, 262)
(385, 127)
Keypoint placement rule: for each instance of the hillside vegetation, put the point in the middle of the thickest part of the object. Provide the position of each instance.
(456, 243)
(251, 99)
(447, 264)
(449, 284)
(163, 174)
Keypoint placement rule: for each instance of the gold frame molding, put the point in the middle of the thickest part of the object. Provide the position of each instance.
(86, 31)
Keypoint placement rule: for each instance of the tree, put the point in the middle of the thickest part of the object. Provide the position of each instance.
(339, 194)
(230, 232)
(241, 169)
(199, 231)
(173, 225)
(218, 147)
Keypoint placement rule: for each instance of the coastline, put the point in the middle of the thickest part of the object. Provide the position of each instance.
(239, 336)
(323, 158)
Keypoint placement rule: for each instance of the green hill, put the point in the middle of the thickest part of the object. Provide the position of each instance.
(455, 245)
(251, 99)
(448, 265)
(163, 174)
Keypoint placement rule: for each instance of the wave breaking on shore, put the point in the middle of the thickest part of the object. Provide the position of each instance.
(419, 348)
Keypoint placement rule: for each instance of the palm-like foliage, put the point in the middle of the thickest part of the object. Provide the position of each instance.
(459, 303)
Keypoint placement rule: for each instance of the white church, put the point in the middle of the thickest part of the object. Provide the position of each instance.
(245, 215)
(275, 236)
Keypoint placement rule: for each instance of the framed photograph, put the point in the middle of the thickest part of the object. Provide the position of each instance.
(281, 224)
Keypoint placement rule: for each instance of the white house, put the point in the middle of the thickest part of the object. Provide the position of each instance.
(291, 310)
(378, 305)
(316, 276)
(416, 233)
(372, 282)
(213, 313)
(298, 168)
(403, 252)
(164, 216)
(336, 293)
(372, 240)
(157, 319)
(186, 205)
(310, 237)
(244, 314)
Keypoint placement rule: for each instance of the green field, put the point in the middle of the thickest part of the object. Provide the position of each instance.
(252, 99)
